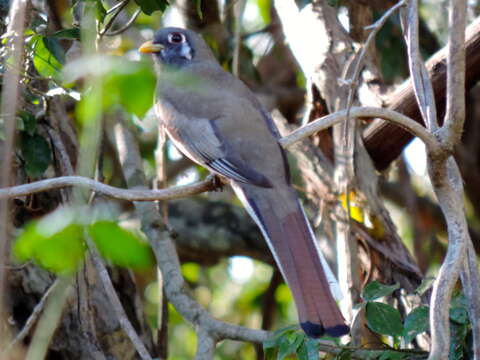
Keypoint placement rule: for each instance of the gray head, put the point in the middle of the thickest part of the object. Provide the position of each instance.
(177, 47)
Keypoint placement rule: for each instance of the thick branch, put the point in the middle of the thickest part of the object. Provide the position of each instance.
(384, 141)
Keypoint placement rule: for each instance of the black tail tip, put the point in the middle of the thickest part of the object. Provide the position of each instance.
(316, 330)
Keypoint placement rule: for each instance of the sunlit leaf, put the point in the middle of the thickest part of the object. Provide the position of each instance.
(191, 271)
(415, 323)
(100, 11)
(375, 290)
(54, 242)
(120, 246)
(48, 56)
(384, 319)
(264, 10)
(124, 82)
(135, 89)
(36, 153)
(149, 6)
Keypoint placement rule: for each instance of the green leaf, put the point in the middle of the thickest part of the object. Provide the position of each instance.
(67, 34)
(274, 340)
(416, 323)
(459, 315)
(120, 246)
(48, 56)
(392, 355)
(36, 154)
(459, 309)
(55, 242)
(100, 11)
(264, 10)
(384, 319)
(29, 123)
(308, 350)
(191, 271)
(289, 344)
(53, 45)
(149, 6)
(135, 89)
(375, 290)
(127, 83)
(458, 334)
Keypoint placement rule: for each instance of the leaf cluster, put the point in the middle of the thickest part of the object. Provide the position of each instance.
(385, 321)
(58, 242)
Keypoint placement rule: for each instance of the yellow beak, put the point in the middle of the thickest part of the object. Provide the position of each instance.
(149, 47)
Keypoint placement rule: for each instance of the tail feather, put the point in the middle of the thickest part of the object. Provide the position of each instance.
(281, 219)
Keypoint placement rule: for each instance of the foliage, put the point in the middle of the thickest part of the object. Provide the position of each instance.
(382, 319)
(57, 242)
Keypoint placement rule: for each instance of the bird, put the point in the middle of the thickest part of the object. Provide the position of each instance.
(213, 118)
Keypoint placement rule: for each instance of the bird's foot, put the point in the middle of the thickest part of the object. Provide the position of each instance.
(218, 182)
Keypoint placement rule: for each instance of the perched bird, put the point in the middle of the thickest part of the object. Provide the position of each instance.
(215, 120)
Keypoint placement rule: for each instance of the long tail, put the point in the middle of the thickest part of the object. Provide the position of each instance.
(290, 238)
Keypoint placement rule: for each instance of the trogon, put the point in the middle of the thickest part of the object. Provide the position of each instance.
(215, 120)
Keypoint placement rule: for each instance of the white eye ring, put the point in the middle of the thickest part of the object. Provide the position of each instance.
(176, 38)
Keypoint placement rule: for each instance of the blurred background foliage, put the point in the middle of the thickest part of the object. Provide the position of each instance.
(94, 73)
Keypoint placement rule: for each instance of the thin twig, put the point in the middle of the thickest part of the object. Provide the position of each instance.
(49, 321)
(115, 302)
(114, 192)
(345, 176)
(240, 7)
(422, 85)
(376, 27)
(127, 24)
(37, 310)
(118, 9)
(363, 112)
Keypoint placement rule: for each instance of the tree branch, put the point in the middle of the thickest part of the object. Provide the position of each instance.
(363, 112)
(384, 141)
(207, 184)
(114, 192)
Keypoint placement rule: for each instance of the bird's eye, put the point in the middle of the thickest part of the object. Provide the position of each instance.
(176, 38)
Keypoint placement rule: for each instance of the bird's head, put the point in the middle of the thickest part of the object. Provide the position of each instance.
(176, 47)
